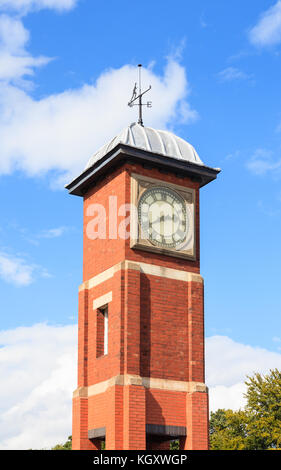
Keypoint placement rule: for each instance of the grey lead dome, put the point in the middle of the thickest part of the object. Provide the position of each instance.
(159, 142)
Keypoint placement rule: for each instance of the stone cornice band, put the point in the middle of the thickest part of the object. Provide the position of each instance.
(146, 268)
(147, 382)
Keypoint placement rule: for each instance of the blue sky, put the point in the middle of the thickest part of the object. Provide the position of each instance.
(67, 69)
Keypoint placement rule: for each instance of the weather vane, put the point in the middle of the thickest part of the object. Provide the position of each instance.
(138, 97)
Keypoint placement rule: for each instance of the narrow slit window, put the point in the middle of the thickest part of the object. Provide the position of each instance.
(105, 337)
(102, 331)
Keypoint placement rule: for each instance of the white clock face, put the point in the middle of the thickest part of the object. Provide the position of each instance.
(162, 217)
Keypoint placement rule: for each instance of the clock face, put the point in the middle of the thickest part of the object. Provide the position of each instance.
(162, 217)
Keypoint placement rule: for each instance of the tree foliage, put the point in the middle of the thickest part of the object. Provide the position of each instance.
(228, 430)
(66, 446)
(264, 410)
(258, 427)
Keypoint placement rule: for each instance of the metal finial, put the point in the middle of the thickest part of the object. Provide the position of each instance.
(138, 97)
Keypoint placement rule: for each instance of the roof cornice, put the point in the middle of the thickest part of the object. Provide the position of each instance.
(125, 153)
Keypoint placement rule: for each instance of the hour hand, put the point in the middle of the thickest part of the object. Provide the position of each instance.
(167, 218)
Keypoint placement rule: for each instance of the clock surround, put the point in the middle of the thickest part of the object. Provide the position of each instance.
(142, 238)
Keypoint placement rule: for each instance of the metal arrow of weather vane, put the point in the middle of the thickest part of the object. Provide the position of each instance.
(138, 97)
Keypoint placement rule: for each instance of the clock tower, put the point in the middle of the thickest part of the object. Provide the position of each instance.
(141, 304)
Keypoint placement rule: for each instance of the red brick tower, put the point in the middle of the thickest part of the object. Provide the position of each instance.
(141, 308)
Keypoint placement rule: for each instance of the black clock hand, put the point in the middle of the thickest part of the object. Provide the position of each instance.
(167, 218)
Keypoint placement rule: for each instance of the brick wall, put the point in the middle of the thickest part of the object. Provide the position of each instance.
(156, 329)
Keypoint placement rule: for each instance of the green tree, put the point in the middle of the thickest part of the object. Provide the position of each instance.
(175, 444)
(66, 446)
(264, 410)
(259, 425)
(228, 430)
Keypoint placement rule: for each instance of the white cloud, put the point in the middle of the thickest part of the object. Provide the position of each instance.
(227, 365)
(35, 238)
(63, 130)
(15, 61)
(231, 397)
(267, 32)
(231, 73)
(13, 34)
(262, 162)
(15, 270)
(234, 155)
(38, 366)
(52, 232)
(27, 5)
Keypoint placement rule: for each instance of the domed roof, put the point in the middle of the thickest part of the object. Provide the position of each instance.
(151, 140)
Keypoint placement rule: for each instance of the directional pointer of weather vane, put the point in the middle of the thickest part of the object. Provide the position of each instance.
(138, 97)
